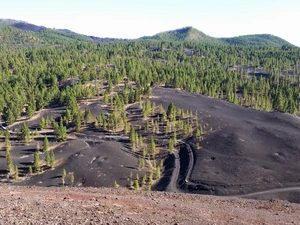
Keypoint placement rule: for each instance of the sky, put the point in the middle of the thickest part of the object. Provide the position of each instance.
(136, 18)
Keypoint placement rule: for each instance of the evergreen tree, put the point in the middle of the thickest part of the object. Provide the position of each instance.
(16, 173)
(171, 112)
(144, 179)
(68, 116)
(36, 162)
(158, 172)
(9, 163)
(72, 178)
(136, 185)
(25, 133)
(63, 177)
(10, 117)
(116, 185)
(38, 147)
(30, 170)
(42, 123)
(46, 144)
(61, 132)
(152, 146)
(6, 135)
(87, 115)
(52, 159)
(47, 158)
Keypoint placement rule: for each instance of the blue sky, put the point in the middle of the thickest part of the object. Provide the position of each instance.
(136, 18)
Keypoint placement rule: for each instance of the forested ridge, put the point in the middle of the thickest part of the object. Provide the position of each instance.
(13, 32)
(33, 78)
(192, 34)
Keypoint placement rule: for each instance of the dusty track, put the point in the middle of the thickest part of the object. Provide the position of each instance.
(32, 205)
(271, 191)
(173, 185)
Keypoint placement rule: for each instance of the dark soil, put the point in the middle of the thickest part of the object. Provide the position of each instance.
(247, 150)
(93, 165)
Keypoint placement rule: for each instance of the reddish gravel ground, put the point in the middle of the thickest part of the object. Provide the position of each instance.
(36, 205)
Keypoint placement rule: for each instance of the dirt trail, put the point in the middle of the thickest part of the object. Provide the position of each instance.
(271, 191)
(31, 205)
(173, 185)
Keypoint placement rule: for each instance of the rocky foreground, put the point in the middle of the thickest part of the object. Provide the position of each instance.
(32, 205)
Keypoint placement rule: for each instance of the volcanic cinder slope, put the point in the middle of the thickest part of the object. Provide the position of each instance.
(247, 151)
(32, 205)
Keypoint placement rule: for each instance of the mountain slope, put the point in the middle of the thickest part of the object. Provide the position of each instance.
(19, 32)
(182, 34)
(192, 34)
(120, 206)
(28, 26)
(12, 36)
(256, 40)
(7, 22)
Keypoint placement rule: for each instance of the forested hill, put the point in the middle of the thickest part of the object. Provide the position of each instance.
(7, 22)
(192, 34)
(264, 78)
(256, 40)
(14, 32)
(19, 32)
(183, 34)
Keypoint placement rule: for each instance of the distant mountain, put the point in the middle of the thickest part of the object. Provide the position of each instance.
(256, 40)
(183, 34)
(192, 34)
(7, 22)
(14, 36)
(28, 26)
(20, 32)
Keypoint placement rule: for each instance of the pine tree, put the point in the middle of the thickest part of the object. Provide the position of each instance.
(72, 178)
(152, 146)
(77, 121)
(171, 145)
(62, 132)
(36, 162)
(144, 179)
(146, 109)
(140, 163)
(8, 146)
(10, 118)
(150, 178)
(68, 116)
(9, 163)
(46, 144)
(132, 138)
(52, 159)
(63, 177)
(158, 172)
(87, 115)
(6, 135)
(136, 185)
(171, 112)
(116, 185)
(25, 133)
(38, 147)
(42, 123)
(47, 158)
(16, 173)
(30, 170)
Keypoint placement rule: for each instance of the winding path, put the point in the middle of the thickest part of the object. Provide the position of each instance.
(271, 191)
(172, 186)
